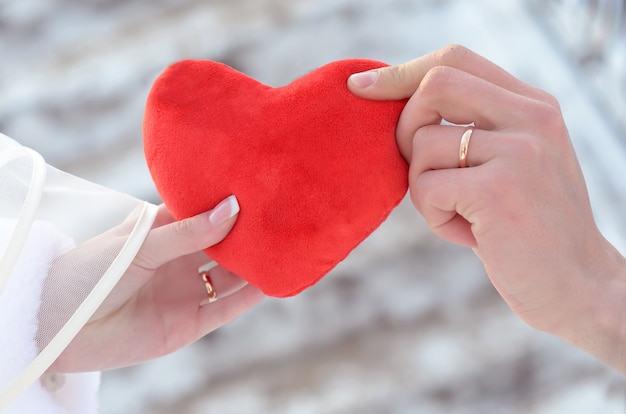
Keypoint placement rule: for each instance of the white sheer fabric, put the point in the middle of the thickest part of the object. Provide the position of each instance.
(34, 195)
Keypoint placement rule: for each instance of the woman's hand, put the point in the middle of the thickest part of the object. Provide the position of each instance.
(522, 204)
(157, 307)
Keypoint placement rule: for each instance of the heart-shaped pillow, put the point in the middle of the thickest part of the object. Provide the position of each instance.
(315, 169)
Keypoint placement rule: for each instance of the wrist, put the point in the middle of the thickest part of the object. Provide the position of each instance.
(596, 323)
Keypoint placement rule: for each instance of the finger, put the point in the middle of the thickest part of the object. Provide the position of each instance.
(461, 98)
(223, 281)
(221, 312)
(401, 81)
(446, 201)
(438, 147)
(187, 236)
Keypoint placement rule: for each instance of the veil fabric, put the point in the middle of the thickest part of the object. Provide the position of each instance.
(40, 202)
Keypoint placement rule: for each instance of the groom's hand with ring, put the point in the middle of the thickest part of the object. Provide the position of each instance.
(521, 204)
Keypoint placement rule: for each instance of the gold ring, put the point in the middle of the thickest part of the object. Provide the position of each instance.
(465, 140)
(210, 290)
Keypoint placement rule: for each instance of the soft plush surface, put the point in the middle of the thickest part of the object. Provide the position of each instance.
(315, 169)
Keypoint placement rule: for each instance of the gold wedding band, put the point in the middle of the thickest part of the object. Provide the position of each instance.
(464, 147)
(210, 290)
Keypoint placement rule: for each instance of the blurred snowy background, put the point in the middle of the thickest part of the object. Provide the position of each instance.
(408, 323)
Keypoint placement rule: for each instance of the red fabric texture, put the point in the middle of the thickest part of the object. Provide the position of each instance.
(315, 169)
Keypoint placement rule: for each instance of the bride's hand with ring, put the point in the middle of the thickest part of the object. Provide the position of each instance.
(167, 298)
(521, 205)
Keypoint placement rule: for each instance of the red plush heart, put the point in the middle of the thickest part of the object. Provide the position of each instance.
(315, 169)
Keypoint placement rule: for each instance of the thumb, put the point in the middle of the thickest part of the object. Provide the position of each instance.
(390, 82)
(187, 236)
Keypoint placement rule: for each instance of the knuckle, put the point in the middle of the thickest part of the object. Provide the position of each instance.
(403, 78)
(420, 139)
(524, 146)
(452, 54)
(435, 80)
(197, 232)
(529, 150)
(186, 229)
(393, 75)
(549, 117)
(550, 99)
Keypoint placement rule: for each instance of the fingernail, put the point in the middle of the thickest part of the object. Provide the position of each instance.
(224, 211)
(207, 266)
(364, 79)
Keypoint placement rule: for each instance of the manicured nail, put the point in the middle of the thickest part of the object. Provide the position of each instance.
(364, 79)
(224, 211)
(207, 266)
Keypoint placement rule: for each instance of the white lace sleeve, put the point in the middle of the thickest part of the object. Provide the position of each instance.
(46, 213)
